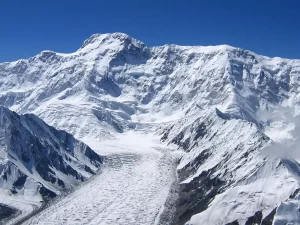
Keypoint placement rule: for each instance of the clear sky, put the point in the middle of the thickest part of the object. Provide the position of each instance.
(266, 27)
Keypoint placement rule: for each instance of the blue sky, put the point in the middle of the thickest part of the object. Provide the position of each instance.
(267, 27)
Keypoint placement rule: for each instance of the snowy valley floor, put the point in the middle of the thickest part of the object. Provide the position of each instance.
(133, 186)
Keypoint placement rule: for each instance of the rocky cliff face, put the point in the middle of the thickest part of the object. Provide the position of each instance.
(205, 100)
(37, 161)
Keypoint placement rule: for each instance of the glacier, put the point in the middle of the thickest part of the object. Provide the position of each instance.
(205, 104)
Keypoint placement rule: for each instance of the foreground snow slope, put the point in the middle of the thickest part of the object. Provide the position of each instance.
(204, 100)
(38, 161)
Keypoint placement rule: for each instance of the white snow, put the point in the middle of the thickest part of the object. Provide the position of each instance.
(26, 206)
(288, 213)
(132, 187)
(114, 85)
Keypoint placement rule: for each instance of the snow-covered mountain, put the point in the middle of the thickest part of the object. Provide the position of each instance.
(37, 161)
(203, 100)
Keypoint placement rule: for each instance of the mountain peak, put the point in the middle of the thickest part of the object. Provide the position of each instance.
(111, 37)
(204, 99)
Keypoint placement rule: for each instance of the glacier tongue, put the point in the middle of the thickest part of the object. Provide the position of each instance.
(203, 100)
(132, 187)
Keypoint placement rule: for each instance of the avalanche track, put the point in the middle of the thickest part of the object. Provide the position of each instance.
(132, 188)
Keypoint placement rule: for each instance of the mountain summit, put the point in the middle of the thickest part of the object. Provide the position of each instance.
(205, 101)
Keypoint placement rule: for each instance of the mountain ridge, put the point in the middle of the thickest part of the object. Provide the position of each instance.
(38, 162)
(124, 36)
(203, 100)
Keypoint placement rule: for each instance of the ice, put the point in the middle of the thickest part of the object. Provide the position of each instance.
(132, 187)
(122, 98)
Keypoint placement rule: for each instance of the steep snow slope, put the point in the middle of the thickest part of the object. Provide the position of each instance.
(38, 161)
(225, 176)
(204, 100)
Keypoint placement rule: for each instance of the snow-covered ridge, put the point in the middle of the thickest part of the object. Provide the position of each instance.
(37, 161)
(202, 99)
(117, 78)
